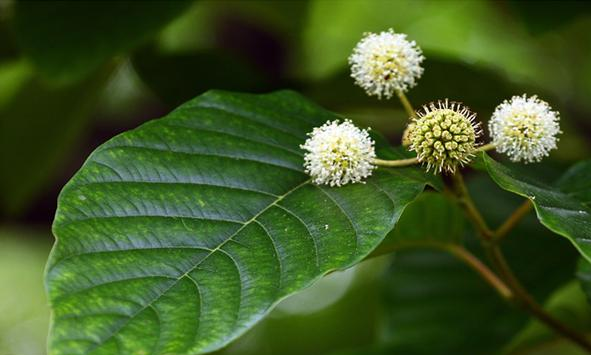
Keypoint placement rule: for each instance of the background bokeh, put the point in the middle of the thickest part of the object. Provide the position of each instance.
(73, 74)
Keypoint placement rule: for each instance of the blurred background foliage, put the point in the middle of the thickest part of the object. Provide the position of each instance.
(73, 74)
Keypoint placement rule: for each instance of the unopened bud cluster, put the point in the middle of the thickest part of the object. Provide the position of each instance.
(444, 136)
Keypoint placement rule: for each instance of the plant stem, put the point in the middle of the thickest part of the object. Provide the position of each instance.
(406, 104)
(463, 196)
(513, 220)
(413, 161)
(396, 163)
(486, 147)
(483, 270)
(521, 297)
(411, 114)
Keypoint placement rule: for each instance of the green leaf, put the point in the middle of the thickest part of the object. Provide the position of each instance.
(558, 207)
(69, 40)
(178, 236)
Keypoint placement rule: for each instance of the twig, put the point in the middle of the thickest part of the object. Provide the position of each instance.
(396, 163)
(513, 220)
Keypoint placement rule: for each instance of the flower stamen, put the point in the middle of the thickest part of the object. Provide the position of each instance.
(385, 63)
(524, 128)
(338, 154)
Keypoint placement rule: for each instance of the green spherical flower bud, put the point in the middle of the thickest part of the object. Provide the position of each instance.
(444, 136)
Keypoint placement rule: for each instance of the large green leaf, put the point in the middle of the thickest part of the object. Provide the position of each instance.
(176, 237)
(559, 207)
(67, 40)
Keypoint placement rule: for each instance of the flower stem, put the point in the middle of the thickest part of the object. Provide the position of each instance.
(513, 220)
(521, 297)
(461, 193)
(410, 111)
(396, 163)
(483, 270)
(413, 161)
(486, 147)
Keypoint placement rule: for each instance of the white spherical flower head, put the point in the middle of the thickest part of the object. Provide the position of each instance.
(338, 154)
(386, 62)
(525, 128)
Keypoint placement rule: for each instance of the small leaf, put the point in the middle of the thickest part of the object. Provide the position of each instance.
(178, 236)
(69, 40)
(558, 207)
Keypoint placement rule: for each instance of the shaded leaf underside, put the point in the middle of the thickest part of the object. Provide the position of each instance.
(176, 237)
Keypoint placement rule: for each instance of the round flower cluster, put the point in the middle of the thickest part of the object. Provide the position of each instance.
(525, 128)
(386, 62)
(444, 135)
(338, 153)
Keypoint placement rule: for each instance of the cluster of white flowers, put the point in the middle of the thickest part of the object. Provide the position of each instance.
(338, 153)
(386, 62)
(443, 134)
(525, 128)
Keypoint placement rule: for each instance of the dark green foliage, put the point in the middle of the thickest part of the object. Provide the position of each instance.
(67, 40)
